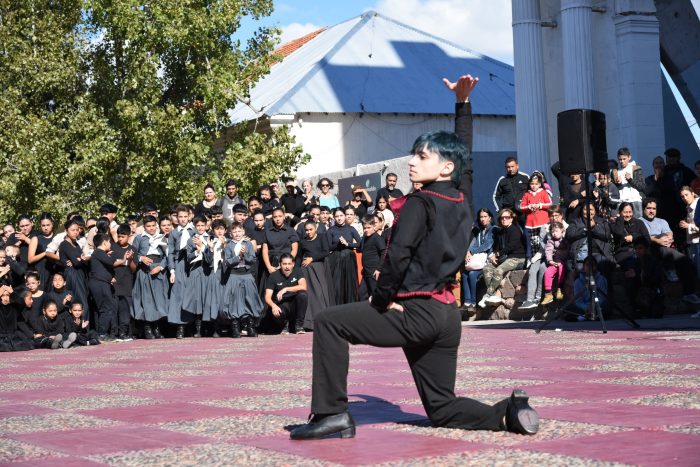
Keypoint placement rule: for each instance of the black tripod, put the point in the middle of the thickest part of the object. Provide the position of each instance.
(594, 312)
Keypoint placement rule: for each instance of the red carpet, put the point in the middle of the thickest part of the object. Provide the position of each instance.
(629, 397)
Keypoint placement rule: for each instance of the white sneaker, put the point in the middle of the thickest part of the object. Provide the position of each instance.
(482, 303)
(696, 315)
(494, 299)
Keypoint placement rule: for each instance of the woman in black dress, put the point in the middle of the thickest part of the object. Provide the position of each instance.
(313, 252)
(76, 265)
(37, 251)
(343, 240)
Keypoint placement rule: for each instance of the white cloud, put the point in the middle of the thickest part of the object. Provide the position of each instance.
(481, 25)
(297, 30)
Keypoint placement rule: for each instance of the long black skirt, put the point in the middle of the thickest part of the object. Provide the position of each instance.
(319, 290)
(343, 266)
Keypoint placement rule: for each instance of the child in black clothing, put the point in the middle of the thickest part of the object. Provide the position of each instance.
(15, 335)
(74, 323)
(5, 272)
(124, 269)
(59, 293)
(49, 329)
(372, 248)
(15, 276)
(101, 279)
(32, 282)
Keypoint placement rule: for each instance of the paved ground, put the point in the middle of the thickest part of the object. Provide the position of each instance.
(628, 397)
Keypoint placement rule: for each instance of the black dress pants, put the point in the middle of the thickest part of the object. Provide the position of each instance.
(122, 318)
(293, 310)
(429, 333)
(103, 294)
(674, 259)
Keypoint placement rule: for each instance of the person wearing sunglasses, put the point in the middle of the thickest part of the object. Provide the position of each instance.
(327, 198)
(508, 255)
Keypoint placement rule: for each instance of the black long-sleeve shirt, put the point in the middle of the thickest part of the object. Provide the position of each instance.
(348, 232)
(429, 241)
(509, 242)
(372, 249)
(47, 327)
(601, 235)
(316, 249)
(102, 266)
(621, 229)
(12, 322)
(67, 251)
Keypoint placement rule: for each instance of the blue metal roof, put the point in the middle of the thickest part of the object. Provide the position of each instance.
(372, 63)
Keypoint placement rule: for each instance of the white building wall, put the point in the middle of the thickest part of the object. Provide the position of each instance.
(626, 76)
(339, 141)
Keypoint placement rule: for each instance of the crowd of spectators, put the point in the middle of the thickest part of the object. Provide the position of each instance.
(233, 267)
(645, 233)
(222, 267)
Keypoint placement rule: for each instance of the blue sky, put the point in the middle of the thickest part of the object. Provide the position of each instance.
(488, 21)
(481, 25)
(309, 12)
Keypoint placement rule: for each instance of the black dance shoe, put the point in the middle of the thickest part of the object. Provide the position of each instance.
(235, 329)
(520, 417)
(249, 325)
(180, 333)
(326, 426)
(148, 332)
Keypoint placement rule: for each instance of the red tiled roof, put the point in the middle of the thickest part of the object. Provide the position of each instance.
(290, 47)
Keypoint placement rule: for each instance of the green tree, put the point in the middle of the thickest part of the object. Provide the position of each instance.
(51, 136)
(124, 101)
(165, 73)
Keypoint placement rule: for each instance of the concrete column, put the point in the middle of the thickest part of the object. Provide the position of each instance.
(530, 100)
(639, 78)
(577, 54)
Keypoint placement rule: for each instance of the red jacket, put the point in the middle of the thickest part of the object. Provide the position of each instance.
(539, 217)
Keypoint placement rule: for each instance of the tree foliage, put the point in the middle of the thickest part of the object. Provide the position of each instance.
(123, 101)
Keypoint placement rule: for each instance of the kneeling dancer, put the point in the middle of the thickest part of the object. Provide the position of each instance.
(412, 306)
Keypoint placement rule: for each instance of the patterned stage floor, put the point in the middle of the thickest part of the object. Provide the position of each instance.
(629, 397)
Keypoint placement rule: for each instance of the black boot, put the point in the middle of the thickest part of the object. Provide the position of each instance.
(216, 331)
(235, 328)
(180, 333)
(156, 331)
(197, 327)
(249, 324)
(148, 332)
